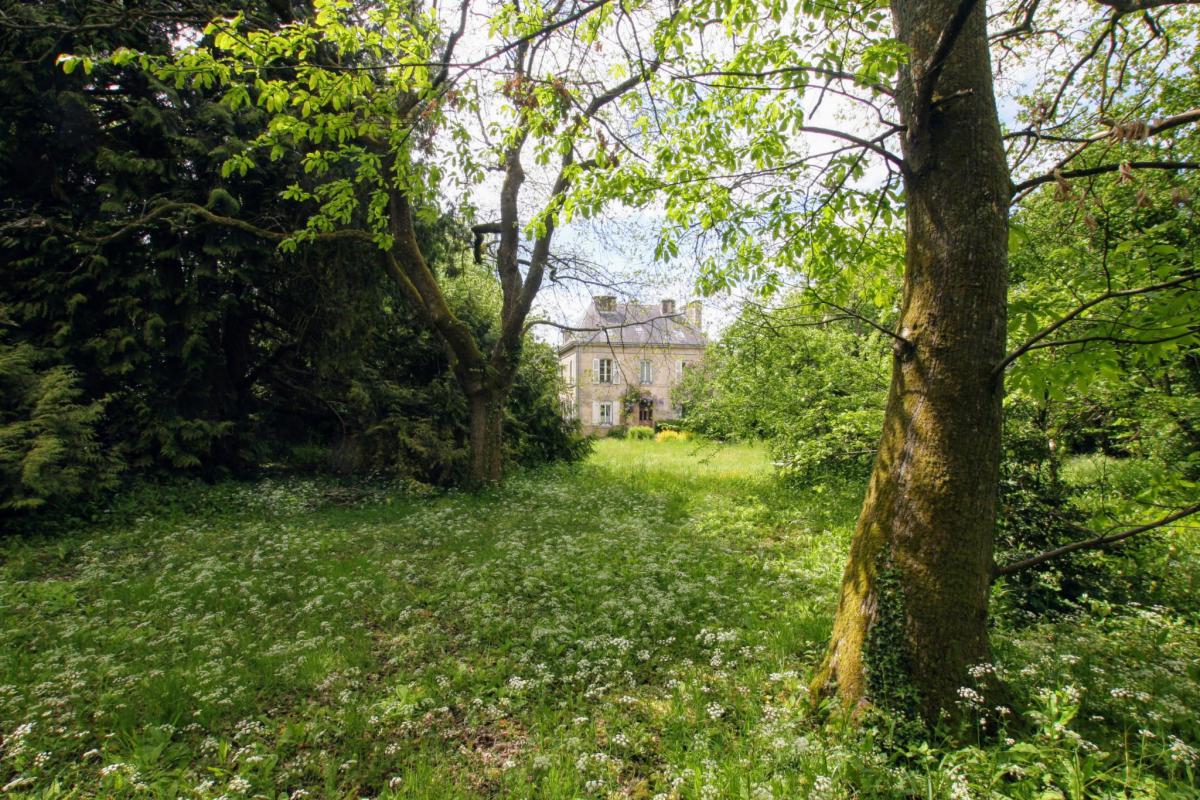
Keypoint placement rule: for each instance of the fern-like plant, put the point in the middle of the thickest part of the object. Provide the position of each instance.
(49, 450)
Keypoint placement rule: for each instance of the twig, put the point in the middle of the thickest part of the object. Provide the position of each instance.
(1096, 541)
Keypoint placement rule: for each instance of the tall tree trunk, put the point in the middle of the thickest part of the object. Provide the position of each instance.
(912, 615)
(486, 438)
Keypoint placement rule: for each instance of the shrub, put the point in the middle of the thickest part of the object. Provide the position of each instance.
(535, 427)
(618, 432)
(402, 414)
(816, 395)
(672, 436)
(49, 450)
(642, 432)
(308, 457)
(1040, 511)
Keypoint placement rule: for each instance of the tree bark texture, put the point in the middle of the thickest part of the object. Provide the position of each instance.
(912, 613)
(485, 381)
(486, 438)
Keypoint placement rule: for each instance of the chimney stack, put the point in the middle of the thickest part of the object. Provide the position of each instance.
(668, 307)
(694, 317)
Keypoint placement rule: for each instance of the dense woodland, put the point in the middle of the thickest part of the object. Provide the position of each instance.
(193, 348)
(270, 280)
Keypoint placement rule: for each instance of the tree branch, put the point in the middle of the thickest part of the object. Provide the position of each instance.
(1094, 542)
(1087, 172)
(900, 342)
(1154, 129)
(518, 293)
(1116, 339)
(1032, 342)
(479, 231)
(164, 209)
(451, 42)
(575, 329)
(1024, 26)
(866, 144)
(931, 70)
(1130, 6)
(406, 265)
(810, 70)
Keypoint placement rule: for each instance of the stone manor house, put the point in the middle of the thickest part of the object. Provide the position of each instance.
(621, 367)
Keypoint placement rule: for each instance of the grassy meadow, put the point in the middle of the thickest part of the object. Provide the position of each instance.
(637, 626)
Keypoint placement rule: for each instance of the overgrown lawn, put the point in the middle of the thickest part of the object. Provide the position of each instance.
(637, 626)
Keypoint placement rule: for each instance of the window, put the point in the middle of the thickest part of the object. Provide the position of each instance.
(605, 370)
(606, 413)
(645, 412)
(647, 372)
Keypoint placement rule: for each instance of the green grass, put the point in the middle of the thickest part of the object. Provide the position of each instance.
(637, 626)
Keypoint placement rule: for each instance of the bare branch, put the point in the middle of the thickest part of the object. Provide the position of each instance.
(1154, 129)
(898, 340)
(1087, 172)
(451, 42)
(478, 231)
(1096, 541)
(866, 144)
(601, 329)
(1174, 122)
(1078, 65)
(1171, 337)
(809, 70)
(1131, 6)
(1024, 26)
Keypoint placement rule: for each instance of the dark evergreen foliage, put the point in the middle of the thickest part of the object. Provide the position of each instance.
(212, 352)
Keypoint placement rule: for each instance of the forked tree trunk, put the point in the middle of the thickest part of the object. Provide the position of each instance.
(912, 614)
(486, 439)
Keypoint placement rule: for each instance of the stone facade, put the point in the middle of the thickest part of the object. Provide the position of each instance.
(626, 350)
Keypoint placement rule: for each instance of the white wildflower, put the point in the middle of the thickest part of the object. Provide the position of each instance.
(970, 695)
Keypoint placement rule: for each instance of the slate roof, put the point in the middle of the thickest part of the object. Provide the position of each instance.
(634, 325)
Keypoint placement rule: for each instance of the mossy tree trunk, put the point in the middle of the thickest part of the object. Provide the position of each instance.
(486, 439)
(912, 614)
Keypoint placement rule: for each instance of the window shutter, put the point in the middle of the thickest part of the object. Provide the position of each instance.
(678, 370)
(596, 413)
(649, 372)
(616, 372)
(595, 370)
